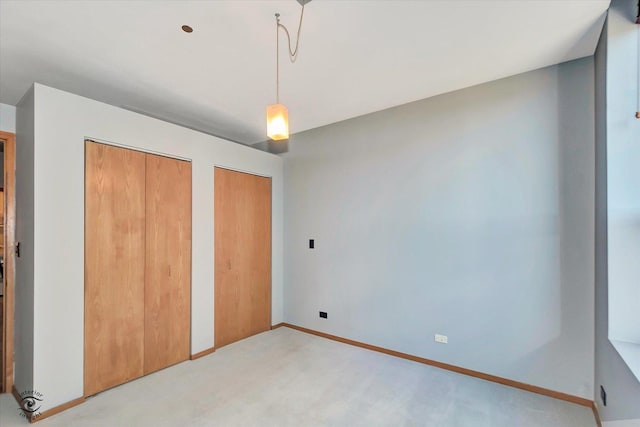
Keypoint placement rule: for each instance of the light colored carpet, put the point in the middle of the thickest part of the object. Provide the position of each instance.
(289, 378)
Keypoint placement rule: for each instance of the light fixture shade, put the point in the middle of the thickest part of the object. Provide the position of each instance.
(277, 122)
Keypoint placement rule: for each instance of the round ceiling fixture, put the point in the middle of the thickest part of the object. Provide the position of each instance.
(187, 29)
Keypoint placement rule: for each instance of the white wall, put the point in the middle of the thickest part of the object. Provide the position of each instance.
(8, 118)
(623, 173)
(468, 214)
(62, 122)
(617, 159)
(25, 234)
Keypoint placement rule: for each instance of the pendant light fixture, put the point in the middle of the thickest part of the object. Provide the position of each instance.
(278, 114)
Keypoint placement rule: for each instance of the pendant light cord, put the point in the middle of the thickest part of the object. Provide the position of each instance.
(277, 59)
(638, 74)
(293, 53)
(638, 65)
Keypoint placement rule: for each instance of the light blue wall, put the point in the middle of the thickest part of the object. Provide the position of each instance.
(469, 214)
(617, 157)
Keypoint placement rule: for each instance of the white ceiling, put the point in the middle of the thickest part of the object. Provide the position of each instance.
(356, 56)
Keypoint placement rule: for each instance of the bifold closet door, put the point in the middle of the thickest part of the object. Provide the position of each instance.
(137, 264)
(242, 216)
(114, 266)
(167, 301)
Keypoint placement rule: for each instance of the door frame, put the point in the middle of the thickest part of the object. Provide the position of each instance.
(6, 364)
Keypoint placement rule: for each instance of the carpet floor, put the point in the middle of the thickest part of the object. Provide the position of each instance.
(289, 378)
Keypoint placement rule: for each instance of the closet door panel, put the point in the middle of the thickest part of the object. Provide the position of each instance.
(167, 301)
(242, 255)
(114, 266)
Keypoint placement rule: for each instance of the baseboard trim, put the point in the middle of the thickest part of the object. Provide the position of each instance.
(488, 377)
(596, 414)
(46, 414)
(16, 395)
(57, 409)
(278, 325)
(202, 353)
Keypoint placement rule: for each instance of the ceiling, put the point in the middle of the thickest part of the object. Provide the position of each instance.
(356, 56)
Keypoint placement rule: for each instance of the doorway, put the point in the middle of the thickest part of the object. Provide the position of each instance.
(7, 266)
(242, 246)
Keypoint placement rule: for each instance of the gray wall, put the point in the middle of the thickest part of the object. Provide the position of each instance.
(7, 124)
(24, 295)
(623, 389)
(7, 118)
(2, 169)
(469, 214)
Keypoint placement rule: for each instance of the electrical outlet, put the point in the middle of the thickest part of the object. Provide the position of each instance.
(603, 396)
(323, 314)
(441, 339)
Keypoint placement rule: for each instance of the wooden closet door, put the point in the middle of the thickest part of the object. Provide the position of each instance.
(242, 255)
(167, 300)
(114, 266)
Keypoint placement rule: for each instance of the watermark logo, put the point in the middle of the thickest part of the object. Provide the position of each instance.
(30, 404)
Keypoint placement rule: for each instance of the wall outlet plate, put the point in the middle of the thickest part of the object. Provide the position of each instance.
(443, 339)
